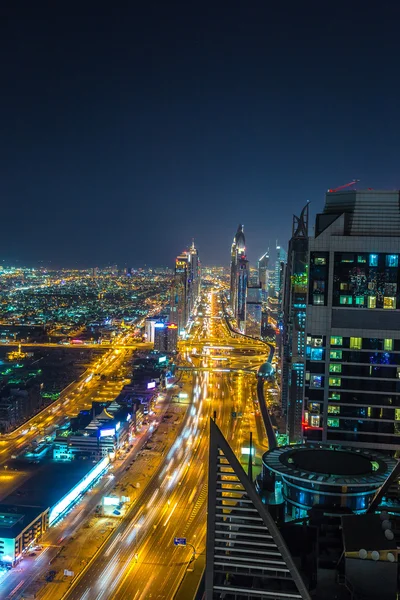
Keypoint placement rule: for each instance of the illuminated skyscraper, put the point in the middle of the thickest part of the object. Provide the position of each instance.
(253, 310)
(186, 287)
(239, 277)
(352, 389)
(342, 307)
(263, 273)
(294, 327)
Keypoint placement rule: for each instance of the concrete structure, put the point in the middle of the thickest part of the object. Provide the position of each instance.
(28, 511)
(19, 527)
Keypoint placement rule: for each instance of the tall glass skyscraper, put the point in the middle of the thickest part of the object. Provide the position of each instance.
(186, 287)
(263, 273)
(239, 278)
(294, 327)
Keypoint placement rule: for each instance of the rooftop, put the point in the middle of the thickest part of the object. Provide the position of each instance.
(48, 484)
(333, 465)
(14, 519)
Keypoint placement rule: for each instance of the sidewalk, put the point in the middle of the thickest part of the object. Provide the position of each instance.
(192, 579)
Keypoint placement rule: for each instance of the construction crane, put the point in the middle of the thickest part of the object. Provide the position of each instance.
(346, 185)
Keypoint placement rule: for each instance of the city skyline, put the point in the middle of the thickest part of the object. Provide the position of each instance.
(112, 128)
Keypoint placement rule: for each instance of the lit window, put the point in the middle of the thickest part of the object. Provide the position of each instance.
(316, 381)
(335, 382)
(334, 396)
(355, 343)
(397, 414)
(389, 302)
(347, 258)
(361, 258)
(335, 368)
(333, 422)
(344, 287)
(319, 260)
(388, 345)
(346, 300)
(371, 301)
(392, 260)
(334, 410)
(336, 340)
(373, 260)
(319, 284)
(307, 375)
(398, 372)
(314, 421)
(318, 299)
(335, 354)
(314, 407)
(360, 300)
(317, 354)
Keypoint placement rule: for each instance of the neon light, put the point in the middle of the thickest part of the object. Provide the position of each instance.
(118, 425)
(172, 326)
(110, 501)
(61, 506)
(159, 325)
(107, 432)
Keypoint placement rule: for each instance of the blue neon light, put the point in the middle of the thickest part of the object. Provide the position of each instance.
(76, 491)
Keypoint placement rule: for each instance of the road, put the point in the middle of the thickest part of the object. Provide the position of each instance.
(140, 561)
(75, 397)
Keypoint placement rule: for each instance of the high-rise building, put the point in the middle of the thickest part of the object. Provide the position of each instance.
(165, 337)
(239, 277)
(352, 373)
(246, 554)
(149, 328)
(294, 327)
(280, 264)
(186, 287)
(194, 281)
(263, 273)
(253, 310)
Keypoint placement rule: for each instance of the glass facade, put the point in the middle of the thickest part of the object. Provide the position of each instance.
(362, 283)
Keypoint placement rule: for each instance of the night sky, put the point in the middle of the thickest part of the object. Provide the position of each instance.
(125, 134)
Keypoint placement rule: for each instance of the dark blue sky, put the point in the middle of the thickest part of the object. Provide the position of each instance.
(124, 135)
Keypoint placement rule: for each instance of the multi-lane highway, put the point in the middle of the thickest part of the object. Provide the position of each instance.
(140, 560)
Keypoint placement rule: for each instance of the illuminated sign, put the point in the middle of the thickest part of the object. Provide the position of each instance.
(128, 417)
(183, 395)
(162, 359)
(172, 326)
(110, 501)
(107, 432)
(159, 325)
(118, 425)
(151, 385)
(59, 508)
